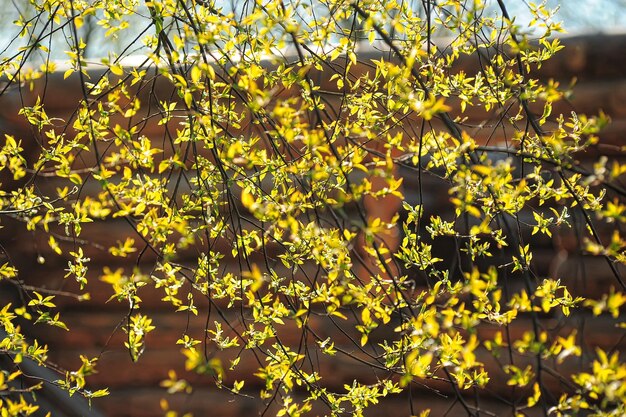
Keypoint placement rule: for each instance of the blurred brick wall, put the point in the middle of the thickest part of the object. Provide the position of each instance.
(598, 63)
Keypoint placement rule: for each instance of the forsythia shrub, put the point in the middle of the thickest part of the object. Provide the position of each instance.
(271, 199)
